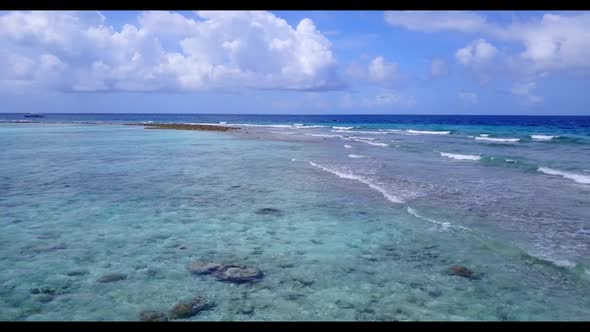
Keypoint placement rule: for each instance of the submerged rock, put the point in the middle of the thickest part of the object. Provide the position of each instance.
(77, 273)
(303, 281)
(198, 267)
(45, 298)
(238, 274)
(155, 273)
(435, 292)
(228, 273)
(48, 290)
(269, 211)
(344, 304)
(462, 271)
(187, 309)
(153, 316)
(112, 277)
(246, 310)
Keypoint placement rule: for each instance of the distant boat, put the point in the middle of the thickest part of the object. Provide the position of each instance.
(33, 115)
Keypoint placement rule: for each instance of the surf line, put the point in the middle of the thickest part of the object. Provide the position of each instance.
(388, 196)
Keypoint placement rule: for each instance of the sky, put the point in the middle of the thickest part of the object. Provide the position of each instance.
(296, 62)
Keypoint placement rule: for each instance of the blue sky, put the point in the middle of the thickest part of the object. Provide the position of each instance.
(290, 62)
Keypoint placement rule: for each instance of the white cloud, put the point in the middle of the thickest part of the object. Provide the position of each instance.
(431, 21)
(168, 52)
(479, 56)
(550, 42)
(477, 52)
(382, 71)
(468, 97)
(378, 71)
(438, 68)
(555, 42)
(525, 90)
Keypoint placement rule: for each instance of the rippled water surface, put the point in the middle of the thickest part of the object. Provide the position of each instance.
(366, 220)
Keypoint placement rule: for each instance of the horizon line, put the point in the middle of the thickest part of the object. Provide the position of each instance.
(309, 114)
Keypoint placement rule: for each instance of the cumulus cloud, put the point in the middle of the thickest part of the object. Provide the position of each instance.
(479, 56)
(550, 42)
(166, 52)
(378, 71)
(431, 21)
(468, 97)
(525, 90)
(438, 68)
(382, 71)
(477, 52)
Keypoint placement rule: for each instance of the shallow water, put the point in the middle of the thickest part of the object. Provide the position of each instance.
(98, 199)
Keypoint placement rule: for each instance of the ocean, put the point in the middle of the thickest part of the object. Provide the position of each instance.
(349, 217)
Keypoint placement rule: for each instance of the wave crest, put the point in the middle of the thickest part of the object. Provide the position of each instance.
(369, 183)
(460, 156)
(579, 178)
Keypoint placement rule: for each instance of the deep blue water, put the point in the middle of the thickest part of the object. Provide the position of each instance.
(563, 122)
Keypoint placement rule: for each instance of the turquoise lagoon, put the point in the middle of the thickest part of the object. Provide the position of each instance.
(370, 237)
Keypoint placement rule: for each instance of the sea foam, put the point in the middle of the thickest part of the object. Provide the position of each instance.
(579, 178)
(445, 225)
(460, 156)
(493, 139)
(356, 156)
(325, 135)
(427, 132)
(370, 143)
(351, 176)
(543, 137)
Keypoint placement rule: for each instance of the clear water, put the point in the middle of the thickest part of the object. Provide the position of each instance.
(367, 238)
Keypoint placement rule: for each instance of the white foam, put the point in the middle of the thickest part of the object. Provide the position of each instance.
(365, 138)
(306, 127)
(543, 137)
(222, 122)
(347, 146)
(579, 178)
(370, 143)
(286, 126)
(351, 176)
(510, 160)
(356, 156)
(484, 135)
(324, 135)
(371, 132)
(413, 212)
(564, 263)
(460, 156)
(249, 125)
(282, 132)
(426, 132)
(359, 132)
(492, 139)
(342, 128)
